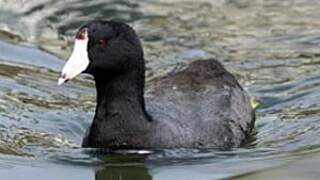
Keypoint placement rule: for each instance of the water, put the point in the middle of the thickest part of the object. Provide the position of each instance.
(271, 46)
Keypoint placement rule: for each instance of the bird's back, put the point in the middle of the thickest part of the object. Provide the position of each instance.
(202, 106)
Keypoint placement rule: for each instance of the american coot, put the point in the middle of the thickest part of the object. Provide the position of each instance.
(202, 106)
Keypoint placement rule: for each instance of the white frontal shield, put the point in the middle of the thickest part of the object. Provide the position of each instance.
(78, 61)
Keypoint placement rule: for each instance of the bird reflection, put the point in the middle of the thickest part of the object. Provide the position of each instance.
(123, 167)
(123, 173)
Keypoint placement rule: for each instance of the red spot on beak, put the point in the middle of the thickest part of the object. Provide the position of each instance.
(82, 34)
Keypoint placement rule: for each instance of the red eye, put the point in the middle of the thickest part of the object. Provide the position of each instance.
(101, 43)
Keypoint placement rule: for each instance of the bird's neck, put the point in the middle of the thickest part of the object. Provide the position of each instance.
(121, 97)
(120, 120)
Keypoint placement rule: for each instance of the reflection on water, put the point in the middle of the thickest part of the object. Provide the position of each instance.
(123, 172)
(271, 46)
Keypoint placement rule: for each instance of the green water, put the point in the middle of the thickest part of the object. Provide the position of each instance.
(273, 47)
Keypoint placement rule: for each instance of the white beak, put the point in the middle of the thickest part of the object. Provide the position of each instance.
(78, 61)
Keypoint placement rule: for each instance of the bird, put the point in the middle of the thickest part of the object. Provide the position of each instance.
(202, 106)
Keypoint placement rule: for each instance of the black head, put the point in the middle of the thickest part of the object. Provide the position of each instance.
(104, 47)
(113, 47)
